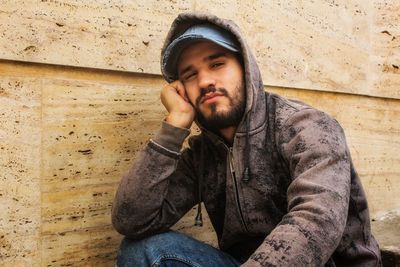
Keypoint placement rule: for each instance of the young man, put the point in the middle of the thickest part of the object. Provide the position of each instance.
(275, 175)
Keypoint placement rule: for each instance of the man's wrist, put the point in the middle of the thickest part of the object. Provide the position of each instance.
(171, 137)
(181, 120)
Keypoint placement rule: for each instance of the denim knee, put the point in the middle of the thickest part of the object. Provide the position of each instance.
(171, 249)
(147, 251)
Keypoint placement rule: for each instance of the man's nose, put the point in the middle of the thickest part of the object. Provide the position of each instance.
(206, 80)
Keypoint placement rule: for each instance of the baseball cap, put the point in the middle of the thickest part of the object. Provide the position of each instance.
(200, 32)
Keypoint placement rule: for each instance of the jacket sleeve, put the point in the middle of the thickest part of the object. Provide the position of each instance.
(159, 188)
(314, 148)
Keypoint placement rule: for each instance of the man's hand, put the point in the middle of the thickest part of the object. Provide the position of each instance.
(174, 98)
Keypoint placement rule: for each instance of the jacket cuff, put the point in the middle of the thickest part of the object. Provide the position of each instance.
(171, 137)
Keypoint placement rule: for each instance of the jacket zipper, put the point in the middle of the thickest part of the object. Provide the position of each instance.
(232, 169)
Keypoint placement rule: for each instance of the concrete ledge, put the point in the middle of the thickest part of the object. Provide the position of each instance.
(386, 229)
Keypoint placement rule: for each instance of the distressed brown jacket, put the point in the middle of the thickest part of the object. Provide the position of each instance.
(285, 194)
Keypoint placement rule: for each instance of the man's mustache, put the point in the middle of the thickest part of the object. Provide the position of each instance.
(210, 89)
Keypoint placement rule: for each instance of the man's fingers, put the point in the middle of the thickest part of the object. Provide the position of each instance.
(180, 111)
(174, 95)
(180, 89)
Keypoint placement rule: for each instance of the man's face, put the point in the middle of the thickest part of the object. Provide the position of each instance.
(214, 83)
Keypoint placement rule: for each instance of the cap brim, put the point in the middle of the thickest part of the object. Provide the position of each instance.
(175, 49)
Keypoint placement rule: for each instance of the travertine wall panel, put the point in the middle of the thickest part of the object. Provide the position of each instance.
(84, 120)
(119, 35)
(334, 45)
(321, 45)
(385, 59)
(86, 247)
(68, 136)
(20, 147)
(80, 133)
(91, 133)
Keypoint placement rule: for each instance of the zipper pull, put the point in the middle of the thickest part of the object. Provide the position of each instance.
(198, 221)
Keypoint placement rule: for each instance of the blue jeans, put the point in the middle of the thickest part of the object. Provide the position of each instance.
(171, 249)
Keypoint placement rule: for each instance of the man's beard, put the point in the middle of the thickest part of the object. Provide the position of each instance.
(222, 119)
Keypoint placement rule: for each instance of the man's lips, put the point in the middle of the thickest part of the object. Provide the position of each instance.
(210, 96)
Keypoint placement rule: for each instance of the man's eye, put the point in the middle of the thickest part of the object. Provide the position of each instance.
(217, 64)
(189, 76)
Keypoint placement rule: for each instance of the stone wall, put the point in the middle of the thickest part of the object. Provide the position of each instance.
(79, 88)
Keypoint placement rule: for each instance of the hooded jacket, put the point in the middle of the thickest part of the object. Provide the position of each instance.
(284, 194)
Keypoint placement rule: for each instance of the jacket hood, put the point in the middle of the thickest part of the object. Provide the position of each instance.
(255, 96)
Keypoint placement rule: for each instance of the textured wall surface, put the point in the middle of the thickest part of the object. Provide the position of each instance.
(20, 147)
(337, 45)
(69, 131)
(70, 134)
